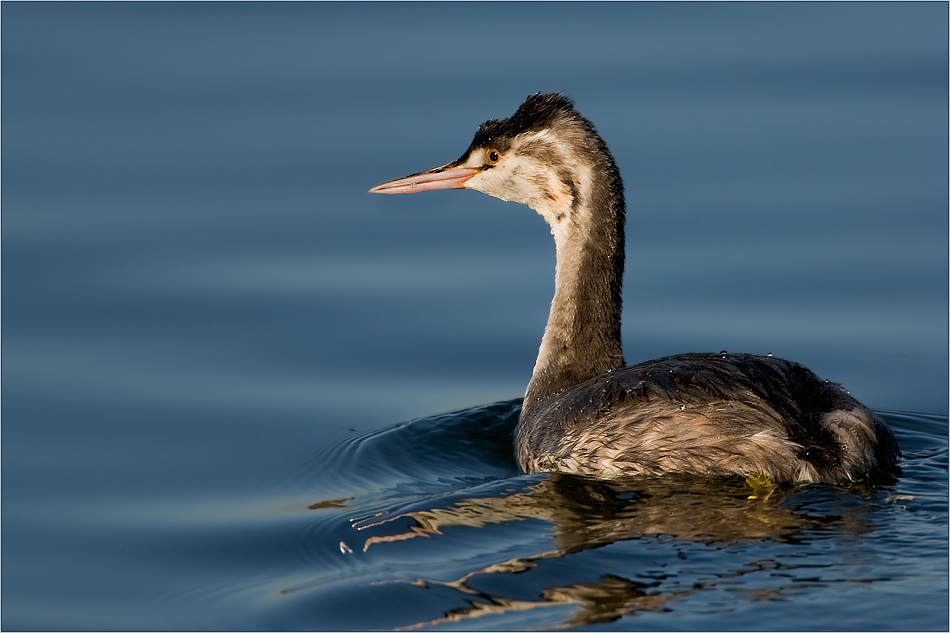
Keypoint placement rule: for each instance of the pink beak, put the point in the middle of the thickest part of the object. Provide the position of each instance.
(443, 177)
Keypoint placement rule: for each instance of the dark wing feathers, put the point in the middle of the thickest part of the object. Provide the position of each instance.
(692, 379)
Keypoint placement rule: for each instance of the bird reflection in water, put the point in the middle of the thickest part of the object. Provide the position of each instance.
(585, 513)
(604, 601)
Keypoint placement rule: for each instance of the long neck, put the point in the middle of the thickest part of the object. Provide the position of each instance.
(582, 336)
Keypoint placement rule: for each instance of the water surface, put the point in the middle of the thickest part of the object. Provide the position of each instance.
(226, 367)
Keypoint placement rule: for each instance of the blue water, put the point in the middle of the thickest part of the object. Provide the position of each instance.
(226, 368)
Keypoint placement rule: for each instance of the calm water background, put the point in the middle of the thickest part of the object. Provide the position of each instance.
(211, 332)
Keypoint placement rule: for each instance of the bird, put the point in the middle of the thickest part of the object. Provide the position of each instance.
(585, 411)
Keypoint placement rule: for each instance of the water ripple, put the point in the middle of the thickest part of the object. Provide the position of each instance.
(428, 524)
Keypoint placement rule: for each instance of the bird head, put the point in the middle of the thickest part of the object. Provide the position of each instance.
(546, 156)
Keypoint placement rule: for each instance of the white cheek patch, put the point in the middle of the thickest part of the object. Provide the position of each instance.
(543, 171)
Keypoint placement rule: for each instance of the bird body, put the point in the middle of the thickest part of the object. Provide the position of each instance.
(705, 414)
(585, 411)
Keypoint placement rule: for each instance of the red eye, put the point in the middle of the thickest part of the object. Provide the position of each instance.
(493, 156)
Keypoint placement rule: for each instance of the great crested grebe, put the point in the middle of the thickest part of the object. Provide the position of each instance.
(584, 410)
